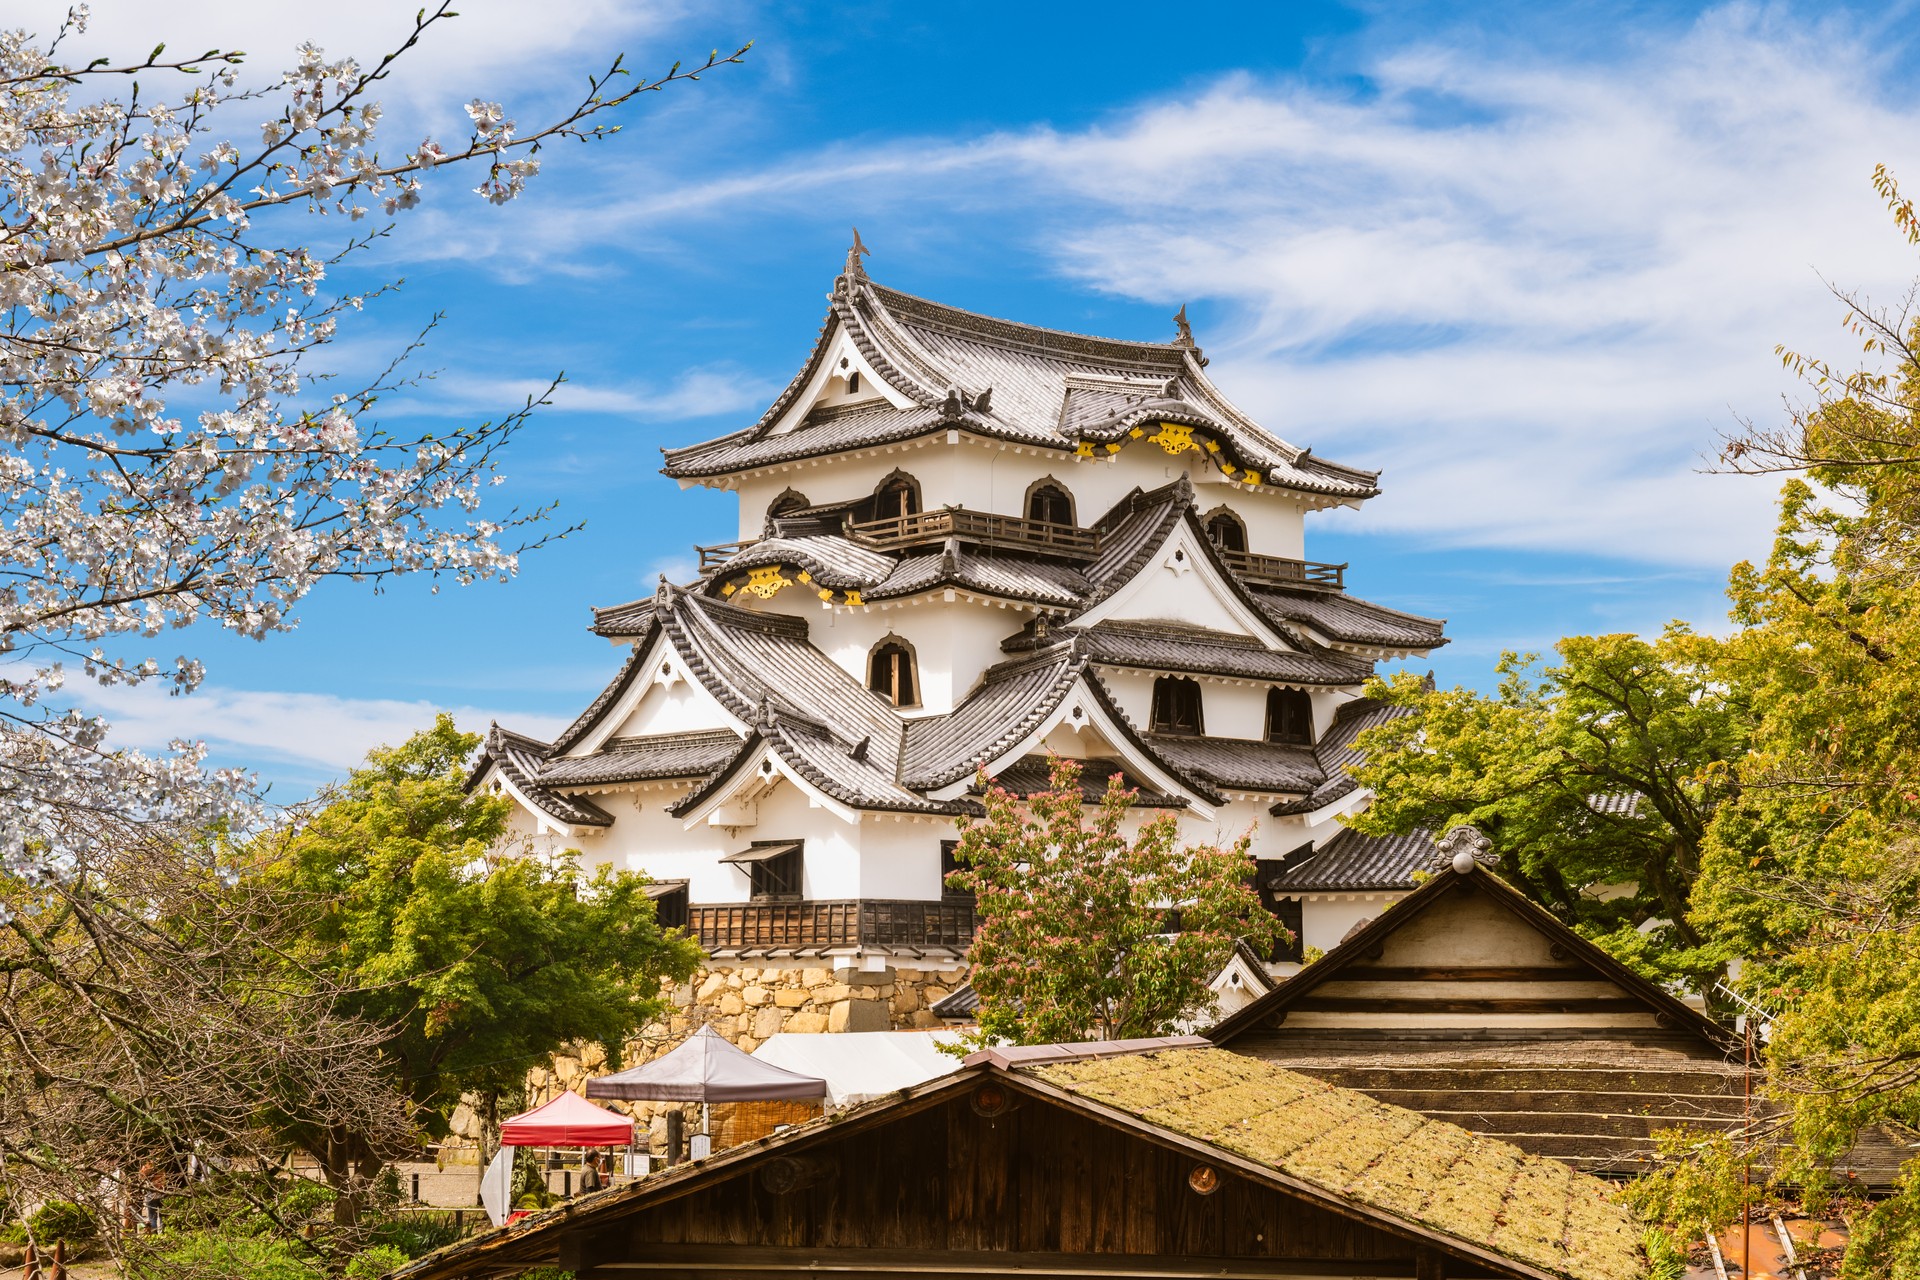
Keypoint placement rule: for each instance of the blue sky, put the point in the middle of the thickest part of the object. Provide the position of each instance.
(1526, 259)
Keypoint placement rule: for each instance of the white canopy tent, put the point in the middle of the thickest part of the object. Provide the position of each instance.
(861, 1065)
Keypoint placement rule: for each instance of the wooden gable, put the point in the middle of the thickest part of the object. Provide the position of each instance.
(1468, 958)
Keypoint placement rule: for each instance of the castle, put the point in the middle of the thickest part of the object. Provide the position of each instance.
(965, 543)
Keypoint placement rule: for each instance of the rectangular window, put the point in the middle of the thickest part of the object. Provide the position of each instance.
(774, 868)
(950, 863)
(670, 905)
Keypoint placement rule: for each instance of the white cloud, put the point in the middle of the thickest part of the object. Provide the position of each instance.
(319, 735)
(696, 393)
(1532, 290)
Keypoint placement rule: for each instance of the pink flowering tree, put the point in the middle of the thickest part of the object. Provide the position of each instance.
(1089, 933)
(166, 457)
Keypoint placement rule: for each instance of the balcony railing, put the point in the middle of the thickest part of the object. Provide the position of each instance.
(1014, 533)
(719, 553)
(1282, 572)
(979, 527)
(796, 926)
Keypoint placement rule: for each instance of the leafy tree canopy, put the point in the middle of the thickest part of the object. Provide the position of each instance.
(481, 957)
(1602, 769)
(1079, 937)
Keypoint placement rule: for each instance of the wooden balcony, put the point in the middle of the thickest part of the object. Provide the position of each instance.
(814, 927)
(719, 553)
(1275, 571)
(982, 528)
(979, 527)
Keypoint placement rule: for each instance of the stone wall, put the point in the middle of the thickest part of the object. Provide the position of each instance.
(747, 1005)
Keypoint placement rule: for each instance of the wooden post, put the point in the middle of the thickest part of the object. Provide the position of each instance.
(59, 1260)
(31, 1265)
(676, 1137)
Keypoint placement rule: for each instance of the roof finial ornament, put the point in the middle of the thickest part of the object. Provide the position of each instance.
(1463, 848)
(1186, 330)
(859, 250)
(766, 719)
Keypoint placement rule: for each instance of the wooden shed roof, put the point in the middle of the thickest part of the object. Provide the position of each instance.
(1475, 1198)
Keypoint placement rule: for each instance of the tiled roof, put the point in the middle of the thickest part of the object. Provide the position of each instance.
(1010, 702)
(1010, 381)
(1354, 861)
(1031, 774)
(1014, 577)
(1336, 751)
(962, 1005)
(519, 759)
(1239, 763)
(1427, 1173)
(1167, 646)
(1345, 619)
(834, 561)
(667, 755)
(617, 621)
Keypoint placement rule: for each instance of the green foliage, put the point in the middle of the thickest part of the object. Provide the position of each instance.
(62, 1220)
(1699, 1181)
(483, 959)
(1886, 1236)
(371, 1264)
(207, 1255)
(1666, 1260)
(1074, 940)
(1648, 727)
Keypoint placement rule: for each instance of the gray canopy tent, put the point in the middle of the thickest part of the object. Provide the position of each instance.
(707, 1068)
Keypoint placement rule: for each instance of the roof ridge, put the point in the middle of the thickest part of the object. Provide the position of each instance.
(979, 325)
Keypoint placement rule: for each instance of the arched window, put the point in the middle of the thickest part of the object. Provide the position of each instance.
(1225, 530)
(890, 673)
(898, 495)
(853, 383)
(1049, 502)
(1290, 717)
(791, 500)
(1176, 707)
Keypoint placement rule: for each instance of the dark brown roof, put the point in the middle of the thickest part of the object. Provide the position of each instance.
(1350, 860)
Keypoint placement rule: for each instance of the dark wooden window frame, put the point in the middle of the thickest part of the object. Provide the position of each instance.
(1038, 489)
(1225, 519)
(1178, 707)
(1290, 717)
(897, 482)
(904, 661)
(950, 863)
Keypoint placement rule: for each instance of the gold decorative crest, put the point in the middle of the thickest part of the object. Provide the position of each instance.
(766, 583)
(1175, 439)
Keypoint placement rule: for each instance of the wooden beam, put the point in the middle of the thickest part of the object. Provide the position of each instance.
(704, 1260)
(1369, 1004)
(1504, 973)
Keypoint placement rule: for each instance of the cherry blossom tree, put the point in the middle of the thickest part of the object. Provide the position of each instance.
(1088, 933)
(168, 457)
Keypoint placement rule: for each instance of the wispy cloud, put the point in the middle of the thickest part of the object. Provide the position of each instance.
(1532, 288)
(313, 735)
(695, 393)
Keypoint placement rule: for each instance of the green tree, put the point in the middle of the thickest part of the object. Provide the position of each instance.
(1813, 873)
(481, 959)
(1604, 768)
(1078, 936)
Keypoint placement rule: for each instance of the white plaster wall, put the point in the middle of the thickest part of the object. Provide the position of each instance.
(900, 858)
(1326, 918)
(953, 641)
(670, 706)
(1229, 710)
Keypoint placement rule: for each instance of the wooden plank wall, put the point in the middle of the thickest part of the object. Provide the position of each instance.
(1034, 1180)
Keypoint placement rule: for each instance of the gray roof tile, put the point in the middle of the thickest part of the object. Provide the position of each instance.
(1160, 646)
(1336, 751)
(1349, 620)
(1351, 861)
(1241, 764)
(1010, 702)
(669, 755)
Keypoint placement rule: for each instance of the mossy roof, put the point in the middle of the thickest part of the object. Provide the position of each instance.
(1426, 1173)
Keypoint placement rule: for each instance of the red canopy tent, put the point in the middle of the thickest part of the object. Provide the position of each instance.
(568, 1121)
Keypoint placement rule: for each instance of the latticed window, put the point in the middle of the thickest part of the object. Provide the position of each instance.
(1225, 531)
(890, 674)
(1050, 504)
(1290, 717)
(1176, 706)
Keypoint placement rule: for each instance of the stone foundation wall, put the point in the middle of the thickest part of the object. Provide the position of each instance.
(747, 1005)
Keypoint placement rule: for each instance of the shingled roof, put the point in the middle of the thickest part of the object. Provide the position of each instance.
(1009, 381)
